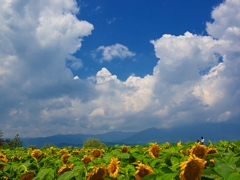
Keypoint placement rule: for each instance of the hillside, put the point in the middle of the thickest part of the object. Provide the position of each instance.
(210, 131)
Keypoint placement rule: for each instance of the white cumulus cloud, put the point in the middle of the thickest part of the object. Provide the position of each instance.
(37, 37)
(115, 51)
(195, 80)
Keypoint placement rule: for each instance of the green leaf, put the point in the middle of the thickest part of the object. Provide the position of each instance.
(234, 176)
(229, 157)
(78, 172)
(107, 157)
(47, 174)
(154, 162)
(66, 175)
(121, 177)
(174, 160)
(137, 155)
(168, 176)
(210, 173)
(225, 169)
(166, 169)
(123, 156)
(130, 168)
(150, 177)
(2, 163)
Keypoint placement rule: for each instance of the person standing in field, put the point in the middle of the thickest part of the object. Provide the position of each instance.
(202, 140)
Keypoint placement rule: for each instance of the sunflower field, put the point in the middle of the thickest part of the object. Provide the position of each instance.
(184, 161)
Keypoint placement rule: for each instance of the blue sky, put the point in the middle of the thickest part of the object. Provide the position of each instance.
(70, 67)
(133, 24)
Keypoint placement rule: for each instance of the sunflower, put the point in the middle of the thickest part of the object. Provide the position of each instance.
(125, 149)
(28, 176)
(185, 152)
(37, 153)
(97, 153)
(103, 150)
(192, 168)
(142, 170)
(2, 159)
(212, 150)
(63, 151)
(86, 159)
(65, 158)
(211, 162)
(88, 150)
(16, 157)
(199, 150)
(179, 143)
(154, 150)
(29, 151)
(76, 152)
(167, 145)
(113, 168)
(64, 168)
(53, 150)
(2, 156)
(98, 173)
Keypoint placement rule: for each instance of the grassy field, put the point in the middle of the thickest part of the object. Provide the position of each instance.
(185, 161)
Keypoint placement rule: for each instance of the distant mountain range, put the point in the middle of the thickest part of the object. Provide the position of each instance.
(210, 131)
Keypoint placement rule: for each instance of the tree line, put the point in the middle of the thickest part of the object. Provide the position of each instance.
(16, 142)
(10, 143)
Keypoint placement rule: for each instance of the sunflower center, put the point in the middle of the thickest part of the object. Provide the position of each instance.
(27, 176)
(156, 152)
(193, 170)
(113, 168)
(1, 166)
(125, 149)
(143, 172)
(65, 170)
(86, 160)
(96, 153)
(199, 152)
(99, 175)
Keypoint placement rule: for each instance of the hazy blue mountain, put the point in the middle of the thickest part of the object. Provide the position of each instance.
(61, 140)
(54, 140)
(210, 131)
(113, 136)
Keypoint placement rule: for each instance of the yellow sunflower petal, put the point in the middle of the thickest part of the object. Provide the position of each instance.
(192, 168)
(113, 168)
(142, 171)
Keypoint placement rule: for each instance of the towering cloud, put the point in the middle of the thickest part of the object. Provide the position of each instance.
(195, 80)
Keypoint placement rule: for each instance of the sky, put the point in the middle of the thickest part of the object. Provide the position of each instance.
(89, 67)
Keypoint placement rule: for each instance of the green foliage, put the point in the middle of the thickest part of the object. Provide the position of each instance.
(1, 140)
(1, 134)
(47, 145)
(10, 143)
(166, 166)
(30, 145)
(93, 143)
(16, 142)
